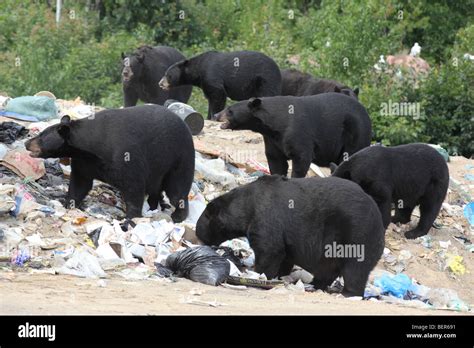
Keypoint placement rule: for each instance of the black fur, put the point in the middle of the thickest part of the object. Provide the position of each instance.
(297, 83)
(323, 128)
(139, 150)
(292, 221)
(147, 66)
(237, 75)
(406, 175)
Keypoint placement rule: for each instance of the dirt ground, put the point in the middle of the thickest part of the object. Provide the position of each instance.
(35, 292)
(57, 294)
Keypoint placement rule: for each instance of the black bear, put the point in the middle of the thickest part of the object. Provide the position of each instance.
(323, 128)
(329, 227)
(238, 75)
(139, 150)
(141, 74)
(298, 83)
(406, 175)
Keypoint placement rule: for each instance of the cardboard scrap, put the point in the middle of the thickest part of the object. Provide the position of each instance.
(20, 162)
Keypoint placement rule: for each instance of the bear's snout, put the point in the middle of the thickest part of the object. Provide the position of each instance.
(224, 118)
(33, 146)
(164, 84)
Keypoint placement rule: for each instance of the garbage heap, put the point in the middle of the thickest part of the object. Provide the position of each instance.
(37, 234)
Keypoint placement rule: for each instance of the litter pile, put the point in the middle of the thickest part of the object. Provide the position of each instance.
(37, 234)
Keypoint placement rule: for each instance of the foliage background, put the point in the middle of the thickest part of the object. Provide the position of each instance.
(81, 55)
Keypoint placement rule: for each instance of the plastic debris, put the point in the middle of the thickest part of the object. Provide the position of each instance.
(10, 131)
(201, 264)
(241, 248)
(82, 264)
(396, 285)
(34, 108)
(469, 213)
(22, 164)
(20, 256)
(426, 241)
(213, 170)
(455, 265)
(446, 299)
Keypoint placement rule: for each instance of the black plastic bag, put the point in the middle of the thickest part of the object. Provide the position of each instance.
(231, 255)
(10, 131)
(200, 264)
(163, 271)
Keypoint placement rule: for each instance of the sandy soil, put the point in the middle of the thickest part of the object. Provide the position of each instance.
(48, 294)
(42, 293)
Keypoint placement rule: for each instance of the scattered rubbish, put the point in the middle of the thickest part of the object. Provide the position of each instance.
(38, 234)
(20, 256)
(191, 117)
(446, 299)
(264, 284)
(192, 300)
(317, 170)
(23, 165)
(213, 170)
(163, 271)
(82, 264)
(426, 241)
(396, 285)
(201, 264)
(297, 275)
(469, 213)
(101, 283)
(138, 271)
(444, 244)
(455, 265)
(33, 108)
(242, 249)
(234, 287)
(10, 131)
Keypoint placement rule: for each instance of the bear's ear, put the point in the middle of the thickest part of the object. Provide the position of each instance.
(333, 167)
(356, 91)
(254, 103)
(63, 128)
(123, 56)
(337, 89)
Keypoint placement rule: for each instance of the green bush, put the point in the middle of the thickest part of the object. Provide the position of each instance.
(81, 55)
(449, 99)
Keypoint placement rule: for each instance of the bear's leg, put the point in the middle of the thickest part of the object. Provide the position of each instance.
(355, 276)
(285, 267)
(130, 98)
(385, 208)
(429, 209)
(79, 187)
(300, 166)
(134, 199)
(383, 197)
(155, 199)
(178, 195)
(276, 159)
(402, 215)
(216, 100)
(269, 248)
(325, 274)
(268, 262)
